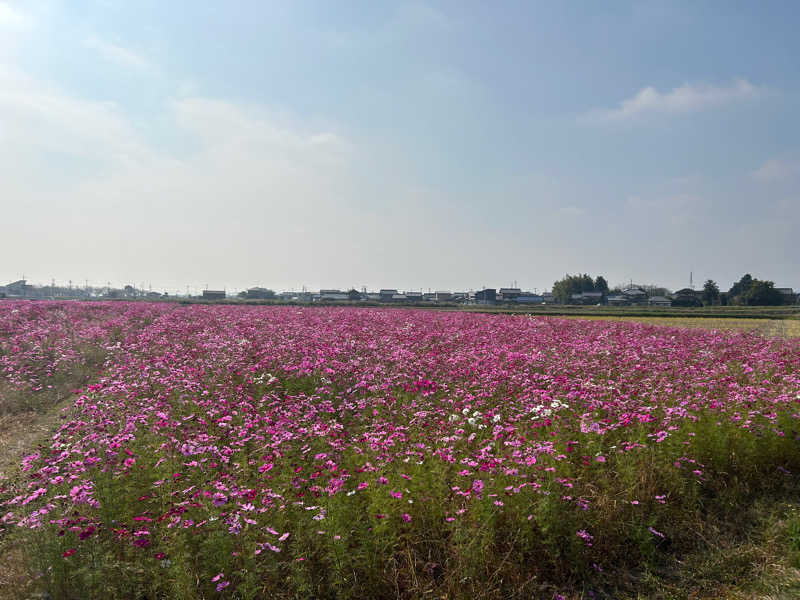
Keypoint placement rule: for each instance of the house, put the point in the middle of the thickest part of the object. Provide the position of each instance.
(486, 296)
(659, 301)
(548, 298)
(509, 294)
(399, 297)
(17, 288)
(213, 295)
(414, 296)
(618, 300)
(332, 295)
(386, 294)
(259, 293)
(789, 295)
(593, 297)
(686, 297)
(587, 298)
(442, 296)
(636, 296)
(528, 298)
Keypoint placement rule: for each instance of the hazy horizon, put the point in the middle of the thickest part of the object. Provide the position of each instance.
(443, 145)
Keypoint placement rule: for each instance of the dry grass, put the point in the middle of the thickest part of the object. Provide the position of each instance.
(768, 327)
(20, 434)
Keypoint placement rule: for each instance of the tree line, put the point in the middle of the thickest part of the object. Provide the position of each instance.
(748, 291)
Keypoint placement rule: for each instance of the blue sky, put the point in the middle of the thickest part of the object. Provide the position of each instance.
(448, 145)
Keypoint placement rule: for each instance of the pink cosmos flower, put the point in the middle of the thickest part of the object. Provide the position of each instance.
(585, 536)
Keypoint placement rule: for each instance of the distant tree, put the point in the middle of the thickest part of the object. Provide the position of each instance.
(564, 288)
(655, 290)
(710, 293)
(762, 293)
(242, 294)
(600, 284)
(739, 288)
(576, 284)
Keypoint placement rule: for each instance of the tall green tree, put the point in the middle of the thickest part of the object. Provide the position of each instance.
(576, 284)
(739, 288)
(600, 284)
(710, 293)
(762, 293)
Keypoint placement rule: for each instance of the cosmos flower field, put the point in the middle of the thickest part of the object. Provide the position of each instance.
(228, 451)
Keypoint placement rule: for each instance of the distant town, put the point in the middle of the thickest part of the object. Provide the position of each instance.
(596, 292)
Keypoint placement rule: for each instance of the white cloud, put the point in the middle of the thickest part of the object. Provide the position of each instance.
(219, 125)
(777, 169)
(12, 18)
(247, 177)
(43, 118)
(680, 100)
(116, 53)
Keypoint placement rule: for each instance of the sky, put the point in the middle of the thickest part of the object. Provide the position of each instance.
(410, 145)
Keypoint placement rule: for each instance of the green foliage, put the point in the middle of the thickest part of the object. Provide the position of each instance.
(576, 284)
(710, 294)
(740, 287)
(600, 284)
(643, 515)
(762, 293)
(749, 291)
